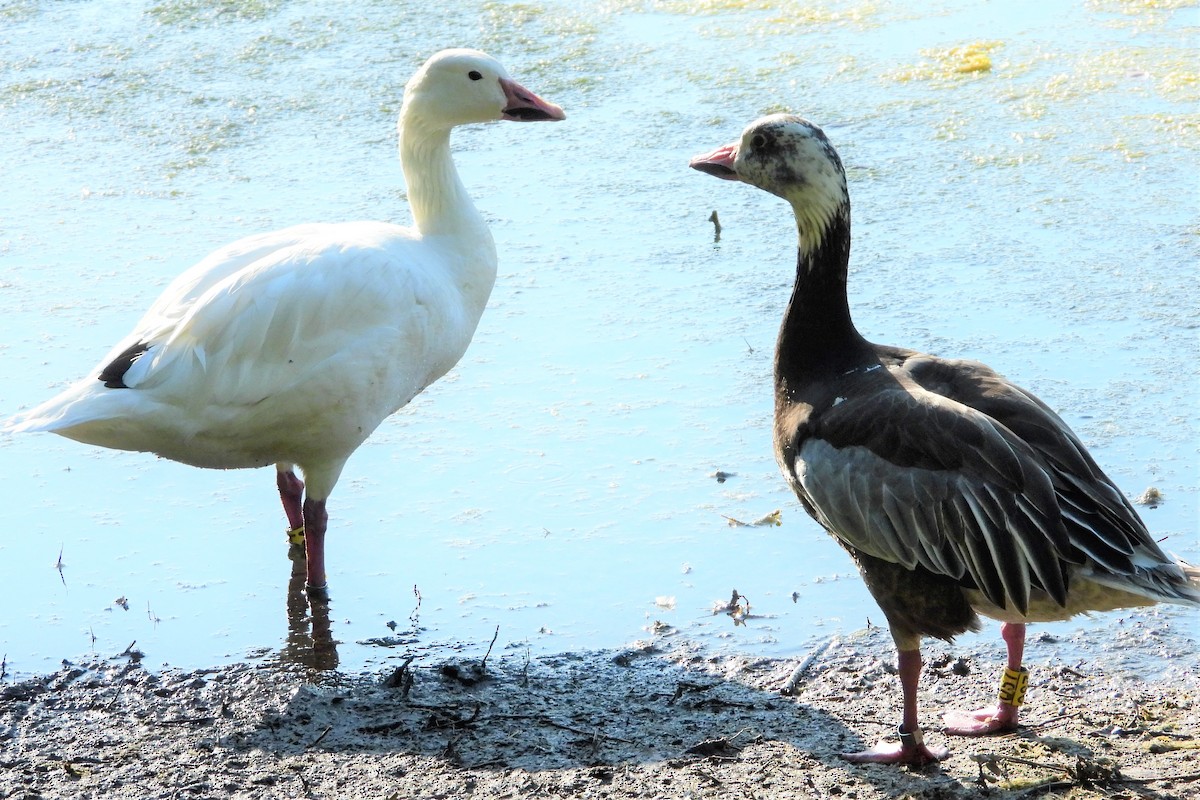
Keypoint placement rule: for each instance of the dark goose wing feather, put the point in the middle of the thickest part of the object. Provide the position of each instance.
(946, 465)
(912, 477)
(1097, 517)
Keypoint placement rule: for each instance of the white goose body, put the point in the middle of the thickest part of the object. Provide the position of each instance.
(299, 330)
(291, 347)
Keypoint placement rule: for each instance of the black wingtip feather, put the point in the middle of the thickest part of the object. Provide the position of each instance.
(114, 374)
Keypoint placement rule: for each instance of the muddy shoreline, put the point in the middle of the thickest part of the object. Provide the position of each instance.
(659, 719)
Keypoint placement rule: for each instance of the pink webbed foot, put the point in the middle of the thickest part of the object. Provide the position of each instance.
(999, 719)
(1013, 683)
(911, 749)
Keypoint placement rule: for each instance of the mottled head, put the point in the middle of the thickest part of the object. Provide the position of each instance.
(790, 157)
(458, 87)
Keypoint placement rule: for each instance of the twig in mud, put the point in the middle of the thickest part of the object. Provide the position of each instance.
(1086, 772)
(442, 718)
(1049, 786)
(1058, 785)
(717, 702)
(483, 663)
(790, 688)
(716, 221)
(298, 769)
(595, 734)
(187, 721)
(1187, 777)
(450, 751)
(561, 726)
(401, 678)
(384, 727)
(129, 652)
(4, 667)
(1053, 720)
(416, 610)
(712, 702)
(995, 762)
(722, 748)
(324, 733)
(1183, 737)
(687, 686)
(58, 565)
(861, 720)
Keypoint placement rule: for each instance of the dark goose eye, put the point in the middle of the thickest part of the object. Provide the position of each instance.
(757, 141)
(475, 75)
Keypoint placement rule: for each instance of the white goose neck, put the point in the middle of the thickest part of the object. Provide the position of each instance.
(439, 201)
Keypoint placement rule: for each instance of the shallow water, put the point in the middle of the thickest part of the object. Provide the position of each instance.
(558, 484)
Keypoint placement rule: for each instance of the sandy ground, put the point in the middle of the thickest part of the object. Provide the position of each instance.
(662, 719)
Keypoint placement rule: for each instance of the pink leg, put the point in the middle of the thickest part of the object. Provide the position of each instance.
(291, 492)
(315, 523)
(1003, 716)
(911, 748)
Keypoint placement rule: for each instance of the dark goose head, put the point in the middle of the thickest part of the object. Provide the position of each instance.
(791, 158)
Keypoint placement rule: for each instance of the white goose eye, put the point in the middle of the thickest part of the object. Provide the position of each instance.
(475, 75)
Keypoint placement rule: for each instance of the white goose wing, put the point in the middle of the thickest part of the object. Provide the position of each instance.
(330, 304)
(290, 352)
(190, 285)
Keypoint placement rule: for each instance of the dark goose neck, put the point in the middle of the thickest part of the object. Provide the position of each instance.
(818, 339)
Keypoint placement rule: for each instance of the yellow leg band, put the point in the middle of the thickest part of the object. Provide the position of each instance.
(296, 535)
(1013, 684)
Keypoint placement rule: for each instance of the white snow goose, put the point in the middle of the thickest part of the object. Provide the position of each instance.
(291, 347)
(956, 492)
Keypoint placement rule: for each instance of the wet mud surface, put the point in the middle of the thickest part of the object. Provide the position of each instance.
(659, 719)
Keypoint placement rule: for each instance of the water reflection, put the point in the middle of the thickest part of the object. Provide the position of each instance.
(310, 641)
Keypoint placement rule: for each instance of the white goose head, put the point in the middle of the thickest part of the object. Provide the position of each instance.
(790, 157)
(461, 86)
(455, 87)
